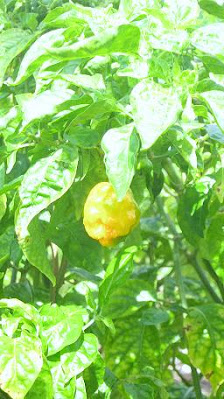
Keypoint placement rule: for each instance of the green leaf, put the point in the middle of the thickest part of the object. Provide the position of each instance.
(213, 64)
(136, 391)
(215, 133)
(37, 106)
(35, 251)
(63, 17)
(120, 146)
(83, 137)
(79, 356)
(62, 390)
(212, 246)
(20, 308)
(129, 298)
(204, 327)
(87, 82)
(21, 290)
(132, 348)
(132, 8)
(45, 182)
(3, 205)
(214, 7)
(12, 43)
(215, 101)
(80, 392)
(6, 239)
(19, 357)
(79, 248)
(154, 317)
(117, 272)
(155, 109)
(122, 39)
(11, 185)
(210, 39)
(38, 53)
(169, 40)
(192, 213)
(94, 379)
(43, 386)
(182, 13)
(59, 330)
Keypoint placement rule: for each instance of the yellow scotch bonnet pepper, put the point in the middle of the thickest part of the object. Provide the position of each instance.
(106, 218)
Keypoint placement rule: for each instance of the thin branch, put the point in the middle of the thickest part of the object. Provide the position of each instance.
(196, 382)
(53, 292)
(215, 277)
(176, 252)
(61, 274)
(204, 279)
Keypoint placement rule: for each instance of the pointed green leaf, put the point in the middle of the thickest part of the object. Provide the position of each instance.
(79, 356)
(120, 146)
(155, 109)
(37, 53)
(35, 251)
(117, 273)
(214, 7)
(122, 39)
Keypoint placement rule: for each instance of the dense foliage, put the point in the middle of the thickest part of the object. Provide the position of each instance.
(131, 93)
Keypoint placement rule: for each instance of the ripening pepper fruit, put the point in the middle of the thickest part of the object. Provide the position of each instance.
(106, 218)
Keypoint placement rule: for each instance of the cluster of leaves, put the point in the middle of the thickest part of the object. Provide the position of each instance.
(132, 93)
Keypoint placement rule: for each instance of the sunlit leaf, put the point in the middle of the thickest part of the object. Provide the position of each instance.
(59, 330)
(18, 357)
(120, 146)
(210, 39)
(12, 42)
(123, 39)
(215, 101)
(45, 182)
(155, 108)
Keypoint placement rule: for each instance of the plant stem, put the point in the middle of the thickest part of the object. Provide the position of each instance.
(215, 277)
(196, 382)
(53, 292)
(179, 280)
(166, 217)
(173, 175)
(61, 274)
(13, 276)
(204, 279)
(176, 252)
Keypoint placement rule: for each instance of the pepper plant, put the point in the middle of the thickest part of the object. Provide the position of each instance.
(129, 93)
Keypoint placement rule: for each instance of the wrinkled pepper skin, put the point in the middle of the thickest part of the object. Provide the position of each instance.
(106, 218)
